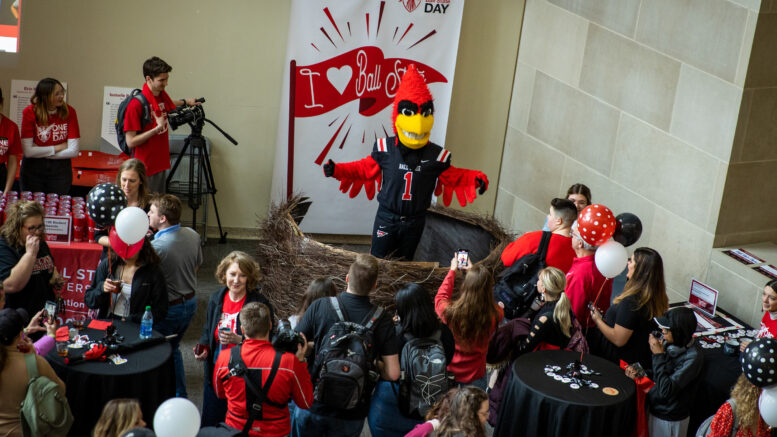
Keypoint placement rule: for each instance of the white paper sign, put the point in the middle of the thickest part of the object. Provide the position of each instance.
(112, 98)
(21, 93)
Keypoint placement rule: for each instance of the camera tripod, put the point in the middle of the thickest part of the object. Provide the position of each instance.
(195, 145)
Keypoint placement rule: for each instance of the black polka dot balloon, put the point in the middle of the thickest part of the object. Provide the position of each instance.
(759, 362)
(104, 202)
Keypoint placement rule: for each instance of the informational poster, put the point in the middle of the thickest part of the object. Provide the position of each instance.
(58, 228)
(21, 93)
(112, 98)
(345, 60)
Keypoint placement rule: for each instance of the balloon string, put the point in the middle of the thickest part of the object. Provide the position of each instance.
(595, 300)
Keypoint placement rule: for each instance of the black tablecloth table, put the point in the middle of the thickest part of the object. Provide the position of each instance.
(535, 404)
(148, 375)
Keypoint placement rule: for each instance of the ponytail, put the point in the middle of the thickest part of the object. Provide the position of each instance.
(561, 314)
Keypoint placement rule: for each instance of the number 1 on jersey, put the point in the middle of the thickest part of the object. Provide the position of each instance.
(408, 184)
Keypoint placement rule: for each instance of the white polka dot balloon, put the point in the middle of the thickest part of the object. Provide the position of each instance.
(596, 224)
(759, 362)
(104, 202)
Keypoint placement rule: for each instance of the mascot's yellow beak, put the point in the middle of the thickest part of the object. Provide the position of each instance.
(414, 130)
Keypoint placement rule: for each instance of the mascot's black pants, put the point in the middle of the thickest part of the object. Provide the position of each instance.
(396, 236)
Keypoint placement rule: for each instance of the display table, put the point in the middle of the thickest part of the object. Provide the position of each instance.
(76, 262)
(148, 375)
(535, 404)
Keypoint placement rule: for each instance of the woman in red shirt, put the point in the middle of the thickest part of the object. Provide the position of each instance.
(50, 137)
(10, 149)
(472, 318)
(746, 413)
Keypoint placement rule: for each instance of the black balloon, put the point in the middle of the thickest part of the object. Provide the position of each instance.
(628, 229)
(759, 362)
(104, 202)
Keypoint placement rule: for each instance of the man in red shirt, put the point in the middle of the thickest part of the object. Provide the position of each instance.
(584, 281)
(150, 143)
(292, 380)
(560, 253)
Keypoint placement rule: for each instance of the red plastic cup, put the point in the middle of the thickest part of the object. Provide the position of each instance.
(65, 198)
(79, 227)
(90, 228)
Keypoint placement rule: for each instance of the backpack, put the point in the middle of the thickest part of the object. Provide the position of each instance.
(45, 411)
(256, 395)
(517, 285)
(121, 113)
(705, 427)
(345, 361)
(423, 379)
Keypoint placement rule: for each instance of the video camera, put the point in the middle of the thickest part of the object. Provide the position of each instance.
(187, 114)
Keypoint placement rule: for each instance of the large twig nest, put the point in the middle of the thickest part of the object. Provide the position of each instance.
(290, 260)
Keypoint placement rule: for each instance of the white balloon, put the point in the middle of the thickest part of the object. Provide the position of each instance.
(611, 258)
(177, 417)
(767, 405)
(131, 224)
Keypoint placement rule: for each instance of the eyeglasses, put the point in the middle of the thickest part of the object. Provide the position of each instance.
(36, 228)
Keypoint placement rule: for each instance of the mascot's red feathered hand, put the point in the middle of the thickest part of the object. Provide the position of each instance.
(413, 118)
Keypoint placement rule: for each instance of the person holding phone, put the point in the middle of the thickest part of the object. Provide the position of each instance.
(240, 275)
(26, 265)
(472, 317)
(124, 285)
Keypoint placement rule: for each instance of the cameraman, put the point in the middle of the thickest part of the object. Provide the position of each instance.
(291, 381)
(149, 142)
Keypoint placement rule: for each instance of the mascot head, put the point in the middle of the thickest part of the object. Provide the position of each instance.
(413, 114)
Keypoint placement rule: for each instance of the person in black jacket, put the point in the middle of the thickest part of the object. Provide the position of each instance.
(677, 363)
(240, 275)
(123, 287)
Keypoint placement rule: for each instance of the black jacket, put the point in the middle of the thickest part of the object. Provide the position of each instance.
(212, 317)
(676, 374)
(148, 288)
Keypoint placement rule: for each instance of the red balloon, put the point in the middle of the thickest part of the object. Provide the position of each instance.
(596, 224)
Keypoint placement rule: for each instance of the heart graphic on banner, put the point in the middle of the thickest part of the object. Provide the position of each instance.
(339, 77)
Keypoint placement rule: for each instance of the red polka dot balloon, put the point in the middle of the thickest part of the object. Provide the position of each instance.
(596, 224)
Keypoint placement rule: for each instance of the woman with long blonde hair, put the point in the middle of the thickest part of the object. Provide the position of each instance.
(119, 416)
(472, 318)
(622, 333)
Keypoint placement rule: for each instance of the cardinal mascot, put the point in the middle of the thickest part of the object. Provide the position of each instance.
(406, 170)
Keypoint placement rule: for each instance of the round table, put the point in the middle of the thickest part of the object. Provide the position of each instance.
(148, 375)
(538, 405)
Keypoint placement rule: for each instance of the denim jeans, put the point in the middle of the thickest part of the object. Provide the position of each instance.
(176, 322)
(214, 410)
(304, 424)
(384, 418)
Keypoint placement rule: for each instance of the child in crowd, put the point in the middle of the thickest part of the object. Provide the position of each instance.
(433, 416)
(467, 416)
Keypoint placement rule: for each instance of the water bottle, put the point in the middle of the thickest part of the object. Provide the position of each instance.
(146, 324)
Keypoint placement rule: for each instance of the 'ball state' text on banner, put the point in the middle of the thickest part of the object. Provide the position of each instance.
(345, 60)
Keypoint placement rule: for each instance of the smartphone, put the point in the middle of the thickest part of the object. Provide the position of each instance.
(50, 309)
(462, 257)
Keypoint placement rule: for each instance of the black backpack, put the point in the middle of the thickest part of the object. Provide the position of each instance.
(517, 285)
(345, 363)
(424, 378)
(256, 393)
(121, 113)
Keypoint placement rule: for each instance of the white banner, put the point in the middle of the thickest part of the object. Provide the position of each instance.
(345, 59)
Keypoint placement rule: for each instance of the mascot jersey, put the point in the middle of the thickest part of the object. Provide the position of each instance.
(406, 170)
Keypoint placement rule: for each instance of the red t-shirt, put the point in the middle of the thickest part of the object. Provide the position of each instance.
(155, 153)
(584, 284)
(58, 131)
(229, 312)
(768, 327)
(560, 252)
(10, 142)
